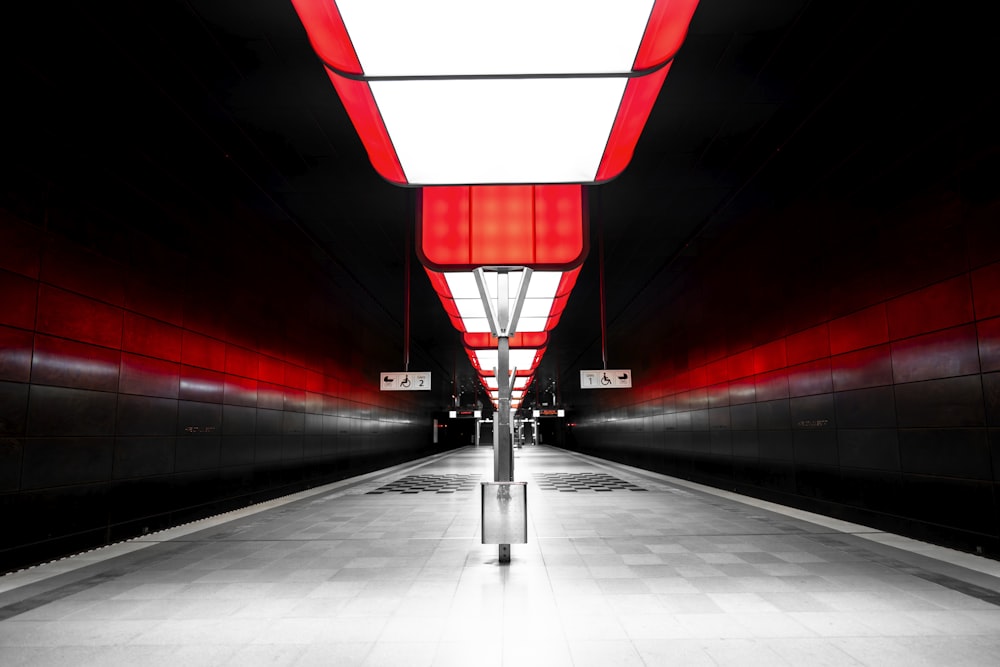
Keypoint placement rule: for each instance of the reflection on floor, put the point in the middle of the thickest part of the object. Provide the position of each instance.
(388, 569)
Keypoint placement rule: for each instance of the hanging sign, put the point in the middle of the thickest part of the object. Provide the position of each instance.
(606, 379)
(404, 381)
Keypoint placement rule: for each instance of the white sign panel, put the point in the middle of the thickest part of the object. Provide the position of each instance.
(609, 379)
(405, 381)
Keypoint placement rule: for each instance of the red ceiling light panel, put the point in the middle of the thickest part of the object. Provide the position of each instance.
(547, 296)
(478, 104)
(526, 351)
(440, 96)
(541, 226)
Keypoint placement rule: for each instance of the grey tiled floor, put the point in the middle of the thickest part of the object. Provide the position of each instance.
(622, 567)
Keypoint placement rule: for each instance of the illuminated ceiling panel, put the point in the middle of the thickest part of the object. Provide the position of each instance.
(499, 131)
(450, 92)
(423, 38)
(543, 227)
(492, 383)
(486, 360)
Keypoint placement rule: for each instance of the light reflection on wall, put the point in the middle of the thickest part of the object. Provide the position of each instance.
(882, 405)
(130, 401)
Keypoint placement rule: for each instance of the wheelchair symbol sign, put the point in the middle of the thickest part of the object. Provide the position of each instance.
(606, 379)
(405, 381)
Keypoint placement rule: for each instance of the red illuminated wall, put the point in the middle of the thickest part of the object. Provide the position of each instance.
(159, 386)
(847, 363)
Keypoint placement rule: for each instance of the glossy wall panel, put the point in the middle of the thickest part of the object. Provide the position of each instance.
(134, 394)
(58, 411)
(871, 392)
(67, 363)
(148, 376)
(72, 316)
(20, 297)
(962, 453)
(875, 448)
(13, 408)
(870, 367)
(52, 462)
(988, 332)
(866, 408)
(146, 415)
(144, 456)
(991, 395)
(941, 403)
(15, 354)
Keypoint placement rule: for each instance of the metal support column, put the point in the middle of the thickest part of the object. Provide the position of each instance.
(503, 468)
(503, 454)
(503, 323)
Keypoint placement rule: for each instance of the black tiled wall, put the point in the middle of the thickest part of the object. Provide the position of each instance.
(874, 398)
(137, 392)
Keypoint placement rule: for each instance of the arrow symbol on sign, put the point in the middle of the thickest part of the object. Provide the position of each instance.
(387, 380)
(623, 376)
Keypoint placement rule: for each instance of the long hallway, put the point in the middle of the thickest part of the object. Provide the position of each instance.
(622, 567)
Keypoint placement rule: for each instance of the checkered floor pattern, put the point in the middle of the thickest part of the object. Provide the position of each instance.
(429, 484)
(681, 575)
(582, 481)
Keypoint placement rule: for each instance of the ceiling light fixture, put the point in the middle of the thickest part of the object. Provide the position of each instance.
(448, 92)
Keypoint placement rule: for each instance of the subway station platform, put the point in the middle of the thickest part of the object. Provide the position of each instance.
(622, 567)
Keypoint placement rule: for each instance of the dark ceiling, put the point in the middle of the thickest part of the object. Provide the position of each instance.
(181, 108)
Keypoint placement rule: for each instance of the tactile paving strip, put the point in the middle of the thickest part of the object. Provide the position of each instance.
(583, 481)
(429, 484)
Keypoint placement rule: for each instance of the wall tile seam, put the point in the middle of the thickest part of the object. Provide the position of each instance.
(31, 331)
(125, 350)
(37, 333)
(972, 481)
(782, 398)
(966, 272)
(974, 292)
(971, 324)
(122, 392)
(89, 297)
(181, 326)
(125, 309)
(791, 428)
(889, 340)
(909, 383)
(111, 479)
(181, 367)
(37, 265)
(833, 355)
(832, 371)
(116, 433)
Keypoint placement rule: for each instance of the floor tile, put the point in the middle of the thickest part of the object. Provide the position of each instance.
(674, 574)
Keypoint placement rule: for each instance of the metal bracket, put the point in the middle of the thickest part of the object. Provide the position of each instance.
(502, 320)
